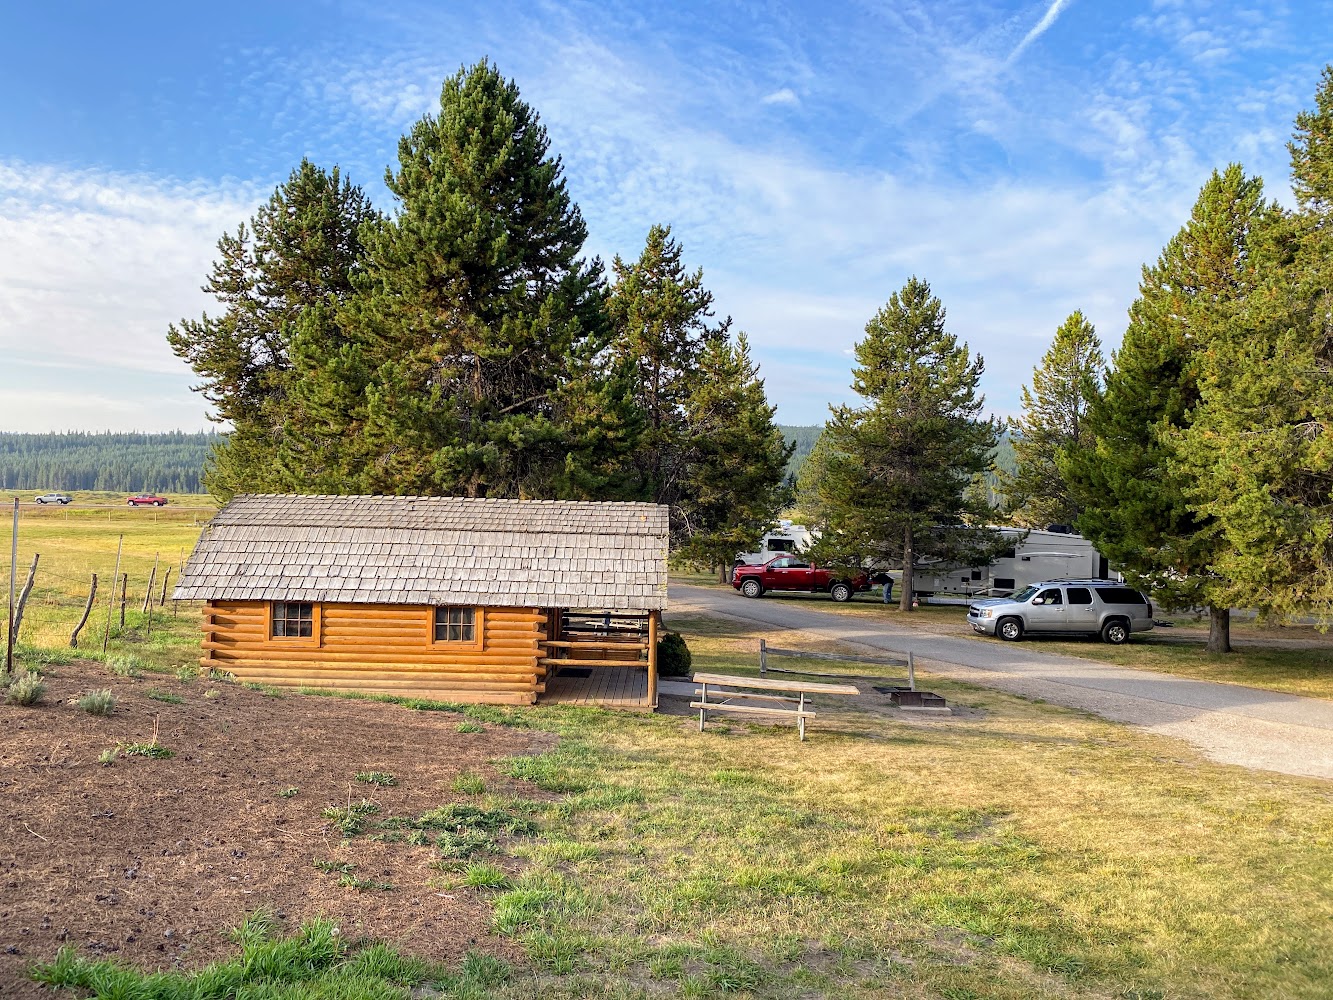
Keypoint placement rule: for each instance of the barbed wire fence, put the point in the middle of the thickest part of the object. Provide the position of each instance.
(97, 584)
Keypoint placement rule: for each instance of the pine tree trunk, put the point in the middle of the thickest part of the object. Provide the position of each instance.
(905, 598)
(722, 572)
(1219, 630)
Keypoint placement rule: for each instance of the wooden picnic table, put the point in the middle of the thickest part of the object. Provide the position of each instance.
(766, 689)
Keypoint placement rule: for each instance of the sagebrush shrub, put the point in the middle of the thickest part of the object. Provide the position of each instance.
(98, 702)
(26, 689)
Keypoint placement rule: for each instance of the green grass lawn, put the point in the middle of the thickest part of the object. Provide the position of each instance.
(1012, 851)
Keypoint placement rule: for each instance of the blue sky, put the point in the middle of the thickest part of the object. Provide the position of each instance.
(1024, 158)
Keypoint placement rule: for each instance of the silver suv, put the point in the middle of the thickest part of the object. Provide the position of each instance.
(1092, 607)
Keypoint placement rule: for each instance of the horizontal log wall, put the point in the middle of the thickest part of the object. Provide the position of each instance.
(381, 649)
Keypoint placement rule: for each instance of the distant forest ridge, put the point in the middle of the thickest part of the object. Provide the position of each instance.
(174, 462)
(805, 436)
(76, 460)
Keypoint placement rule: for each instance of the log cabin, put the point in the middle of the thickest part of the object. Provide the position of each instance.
(447, 598)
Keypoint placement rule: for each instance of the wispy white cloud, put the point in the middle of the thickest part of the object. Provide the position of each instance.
(95, 265)
(784, 96)
(1038, 29)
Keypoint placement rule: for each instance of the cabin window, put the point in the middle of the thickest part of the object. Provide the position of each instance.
(455, 624)
(292, 620)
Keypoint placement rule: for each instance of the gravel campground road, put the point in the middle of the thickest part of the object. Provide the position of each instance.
(1227, 722)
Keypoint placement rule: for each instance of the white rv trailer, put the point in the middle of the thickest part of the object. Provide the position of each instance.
(1042, 555)
(786, 537)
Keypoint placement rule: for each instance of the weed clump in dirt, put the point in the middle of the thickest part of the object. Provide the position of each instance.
(458, 830)
(97, 702)
(165, 696)
(125, 665)
(469, 784)
(154, 750)
(382, 778)
(351, 818)
(26, 689)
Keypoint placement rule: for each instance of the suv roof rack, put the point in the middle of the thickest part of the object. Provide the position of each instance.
(1103, 583)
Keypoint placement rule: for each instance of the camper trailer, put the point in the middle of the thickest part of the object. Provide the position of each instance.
(786, 537)
(1056, 553)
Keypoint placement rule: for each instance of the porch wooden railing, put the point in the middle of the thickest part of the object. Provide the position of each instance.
(602, 639)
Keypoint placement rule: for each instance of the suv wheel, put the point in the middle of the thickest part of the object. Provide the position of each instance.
(1116, 632)
(840, 592)
(752, 588)
(1009, 629)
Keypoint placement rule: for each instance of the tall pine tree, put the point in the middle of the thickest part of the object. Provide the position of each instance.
(737, 457)
(298, 255)
(1261, 443)
(661, 317)
(1054, 421)
(892, 481)
(482, 325)
(1134, 491)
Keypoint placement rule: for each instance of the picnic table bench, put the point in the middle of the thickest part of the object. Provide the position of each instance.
(763, 689)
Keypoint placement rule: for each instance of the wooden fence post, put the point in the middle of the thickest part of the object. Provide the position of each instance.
(13, 569)
(23, 595)
(911, 671)
(87, 610)
(148, 591)
(166, 578)
(124, 596)
(763, 658)
(111, 597)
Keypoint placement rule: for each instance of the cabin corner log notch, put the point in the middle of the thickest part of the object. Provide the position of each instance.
(444, 598)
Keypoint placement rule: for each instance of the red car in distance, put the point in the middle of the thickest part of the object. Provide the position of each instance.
(789, 572)
(147, 500)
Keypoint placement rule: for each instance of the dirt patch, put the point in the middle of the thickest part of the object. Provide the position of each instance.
(151, 861)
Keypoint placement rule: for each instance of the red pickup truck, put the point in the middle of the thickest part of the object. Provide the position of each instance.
(786, 572)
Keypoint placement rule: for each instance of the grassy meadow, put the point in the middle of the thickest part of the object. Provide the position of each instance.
(76, 541)
(1014, 850)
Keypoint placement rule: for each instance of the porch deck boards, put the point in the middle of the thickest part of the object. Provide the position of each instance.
(607, 687)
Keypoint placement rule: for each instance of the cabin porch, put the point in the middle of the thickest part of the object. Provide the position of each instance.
(603, 658)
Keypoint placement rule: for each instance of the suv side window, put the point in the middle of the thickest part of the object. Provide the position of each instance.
(1079, 595)
(1050, 596)
(1120, 595)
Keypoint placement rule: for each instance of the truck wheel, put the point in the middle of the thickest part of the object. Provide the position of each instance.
(840, 592)
(1116, 632)
(752, 588)
(1009, 629)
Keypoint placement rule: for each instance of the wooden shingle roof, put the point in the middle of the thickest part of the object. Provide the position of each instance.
(432, 550)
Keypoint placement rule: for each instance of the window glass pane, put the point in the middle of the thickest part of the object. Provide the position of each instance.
(293, 620)
(1119, 595)
(1051, 596)
(455, 624)
(1080, 595)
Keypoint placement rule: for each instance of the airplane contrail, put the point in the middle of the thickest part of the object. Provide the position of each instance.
(1039, 29)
